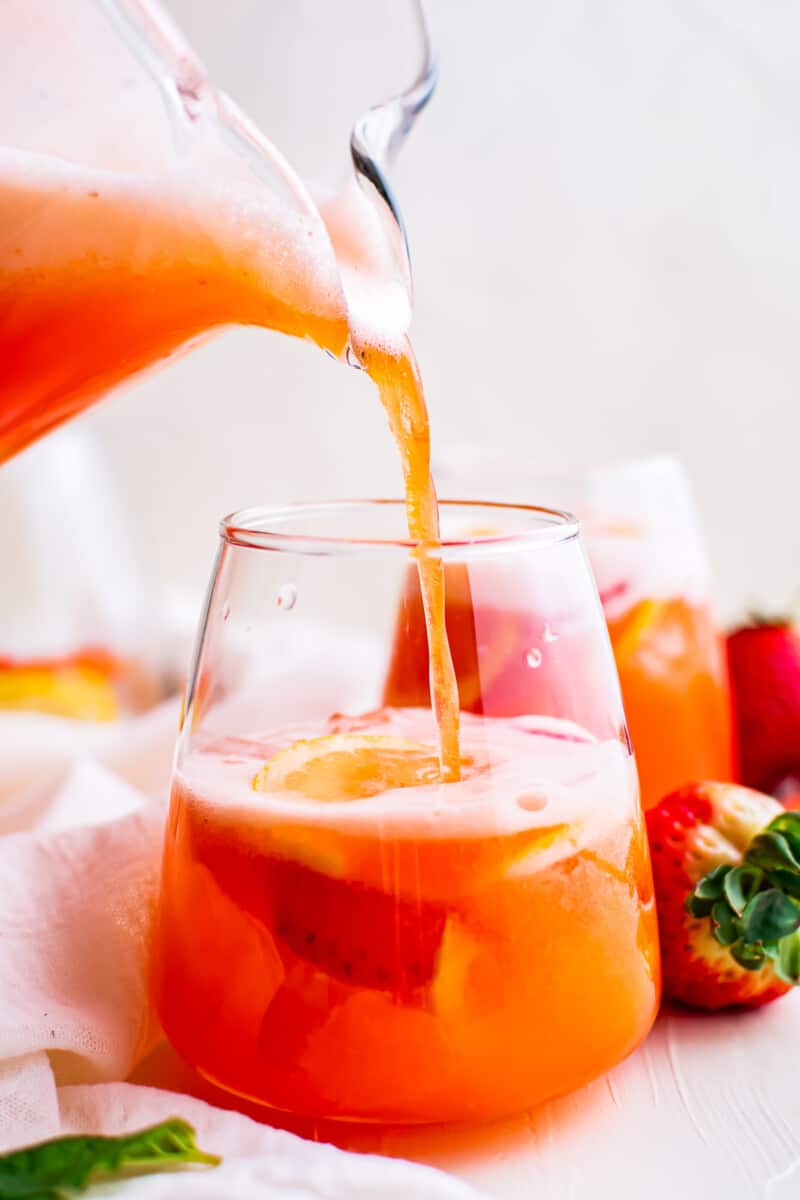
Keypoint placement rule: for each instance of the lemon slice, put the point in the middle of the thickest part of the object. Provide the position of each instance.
(80, 692)
(532, 855)
(484, 531)
(458, 951)
(346, 766)
(623, 529)
(637, 626)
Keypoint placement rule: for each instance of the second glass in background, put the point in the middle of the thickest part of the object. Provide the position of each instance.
(80, 637)
(642, 534)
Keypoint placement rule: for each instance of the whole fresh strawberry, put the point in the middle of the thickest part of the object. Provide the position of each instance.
(726, 867)
(764, 663)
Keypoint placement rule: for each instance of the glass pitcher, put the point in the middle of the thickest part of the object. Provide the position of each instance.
(140, 209)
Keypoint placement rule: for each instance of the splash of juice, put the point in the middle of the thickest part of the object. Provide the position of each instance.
(104, 273)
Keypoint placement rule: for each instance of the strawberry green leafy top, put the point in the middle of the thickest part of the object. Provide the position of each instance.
(754, 908)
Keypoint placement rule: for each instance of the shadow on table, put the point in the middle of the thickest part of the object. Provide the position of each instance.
(164, 1068)
(701, 1107)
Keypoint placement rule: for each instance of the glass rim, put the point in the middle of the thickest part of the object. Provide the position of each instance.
(245, 528)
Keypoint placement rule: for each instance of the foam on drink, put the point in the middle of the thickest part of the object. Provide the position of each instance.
(577, 780)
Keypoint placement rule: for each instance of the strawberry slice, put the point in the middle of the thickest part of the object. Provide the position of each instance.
(407, 681)
(508, 660)
(354, 932)
(358, 934)
(726, 868)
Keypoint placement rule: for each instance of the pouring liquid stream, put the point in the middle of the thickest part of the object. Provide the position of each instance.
(106, 271)
(400, 389)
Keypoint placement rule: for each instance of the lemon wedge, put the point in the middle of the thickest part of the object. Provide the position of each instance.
(636, 628)
(80, 692)
(346, 766)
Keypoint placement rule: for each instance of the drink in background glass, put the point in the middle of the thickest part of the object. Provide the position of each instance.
(78, 632)
(342, 934)
(643, 539)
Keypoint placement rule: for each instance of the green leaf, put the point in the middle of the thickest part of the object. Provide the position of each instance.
(788, 825)
(710, 886)
(697, 907)
(770, 620)
(787, 967)
(727, 927)
(770, 916)
(748, 956)
(51, 1169)
(771, 850)
(785, 880)
(740, 885)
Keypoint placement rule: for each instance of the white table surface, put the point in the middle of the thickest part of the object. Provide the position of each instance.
(708, 1108)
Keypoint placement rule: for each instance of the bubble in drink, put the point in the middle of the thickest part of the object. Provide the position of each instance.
(287, 596)
(534, 658)
(532, 801)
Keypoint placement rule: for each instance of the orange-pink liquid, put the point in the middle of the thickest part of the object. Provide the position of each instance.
(668, 656)
(399, 970)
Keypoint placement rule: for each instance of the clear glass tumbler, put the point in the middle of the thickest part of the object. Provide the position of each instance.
(339, 933)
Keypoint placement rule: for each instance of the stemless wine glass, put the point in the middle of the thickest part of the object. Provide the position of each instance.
(340, 934)
(84, 643)
(643, 538)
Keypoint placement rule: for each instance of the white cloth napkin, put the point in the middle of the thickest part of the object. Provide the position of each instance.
(78, 880)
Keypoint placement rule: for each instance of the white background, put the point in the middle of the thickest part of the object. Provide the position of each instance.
(604, 210)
